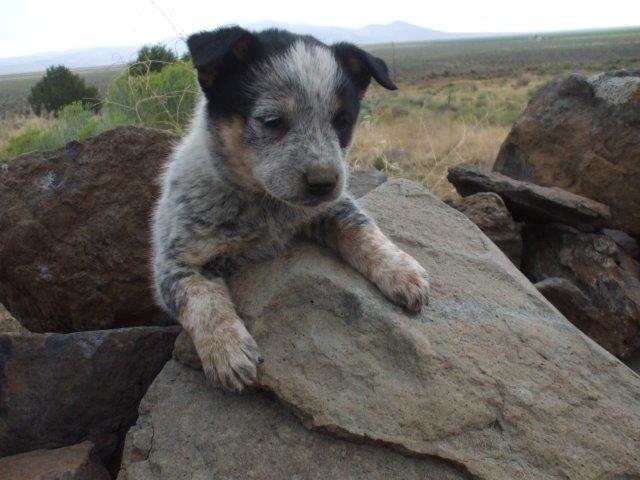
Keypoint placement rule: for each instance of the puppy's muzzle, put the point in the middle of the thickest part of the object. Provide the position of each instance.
(321, 183)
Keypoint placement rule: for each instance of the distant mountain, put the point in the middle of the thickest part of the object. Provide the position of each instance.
(76, 58)
(390, 32)
(101, 56)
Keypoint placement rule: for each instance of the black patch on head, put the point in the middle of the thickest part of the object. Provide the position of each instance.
(346, 115)
(224, 59)
(360, 66)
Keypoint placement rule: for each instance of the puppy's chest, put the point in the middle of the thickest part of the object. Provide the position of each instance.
(253, 234)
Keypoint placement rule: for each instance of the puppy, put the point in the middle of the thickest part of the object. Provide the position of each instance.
(264, 162)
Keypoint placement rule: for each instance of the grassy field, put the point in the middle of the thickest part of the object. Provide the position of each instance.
(456, 101)
(14, 89)
(514, 56)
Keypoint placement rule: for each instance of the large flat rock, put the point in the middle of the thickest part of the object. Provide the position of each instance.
(490, 377)
(188, 430)
(530, 202)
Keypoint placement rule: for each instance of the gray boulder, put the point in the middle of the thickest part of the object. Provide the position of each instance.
(489, 213)
(600, 293)
(490, 379)
(61, 389)
(530, 202)
(77, 462)
(363, 180)
(625, 241)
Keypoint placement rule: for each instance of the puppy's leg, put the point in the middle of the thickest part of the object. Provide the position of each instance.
(357, 238)
(204, 308)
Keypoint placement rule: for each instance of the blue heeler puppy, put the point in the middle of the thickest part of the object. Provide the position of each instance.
(264, 162)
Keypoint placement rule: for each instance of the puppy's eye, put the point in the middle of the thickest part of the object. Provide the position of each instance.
(275, 123)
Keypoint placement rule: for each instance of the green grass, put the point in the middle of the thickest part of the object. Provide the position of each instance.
(162, 100)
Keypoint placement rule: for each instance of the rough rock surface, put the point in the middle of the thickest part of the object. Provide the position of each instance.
(530, 202)
(582, 134)
(62, 389)
(77, 462)
(489, 378)
(187, 430)
(8, 323)
(625, 241)
(74, 228)
(489, 213)
(362, 181)
(608, 308)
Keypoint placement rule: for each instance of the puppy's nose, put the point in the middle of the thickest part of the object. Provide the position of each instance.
(321, 182)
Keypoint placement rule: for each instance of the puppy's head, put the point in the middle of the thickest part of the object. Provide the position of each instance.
(283, 108)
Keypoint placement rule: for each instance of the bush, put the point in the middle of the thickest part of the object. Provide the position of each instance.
(60, 87)
(152, 59)
(163, 99)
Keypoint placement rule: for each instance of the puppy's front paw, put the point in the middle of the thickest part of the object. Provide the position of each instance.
(403, 281)
(229, 356)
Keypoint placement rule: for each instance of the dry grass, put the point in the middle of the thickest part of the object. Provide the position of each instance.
(417, 132)
(421, 131)
(432, 145)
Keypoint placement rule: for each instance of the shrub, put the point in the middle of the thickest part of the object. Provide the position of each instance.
(74, 122)
(162, 99)
(152, 59)
(60, 87)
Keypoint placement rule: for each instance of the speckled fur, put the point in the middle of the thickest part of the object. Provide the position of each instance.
(234, 193)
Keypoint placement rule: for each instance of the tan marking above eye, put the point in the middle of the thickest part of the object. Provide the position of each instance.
(238, 155)
(289, 104)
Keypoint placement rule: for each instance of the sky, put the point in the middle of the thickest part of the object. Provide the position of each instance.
(30, 26)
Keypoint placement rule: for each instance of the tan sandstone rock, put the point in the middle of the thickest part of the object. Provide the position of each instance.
(8, 323)
(489, 378)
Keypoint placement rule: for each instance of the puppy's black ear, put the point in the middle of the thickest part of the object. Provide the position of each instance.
(221, 53)
(361, 66)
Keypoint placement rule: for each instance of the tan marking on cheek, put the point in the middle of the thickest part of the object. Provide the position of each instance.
(339, 104)
(238, 156)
